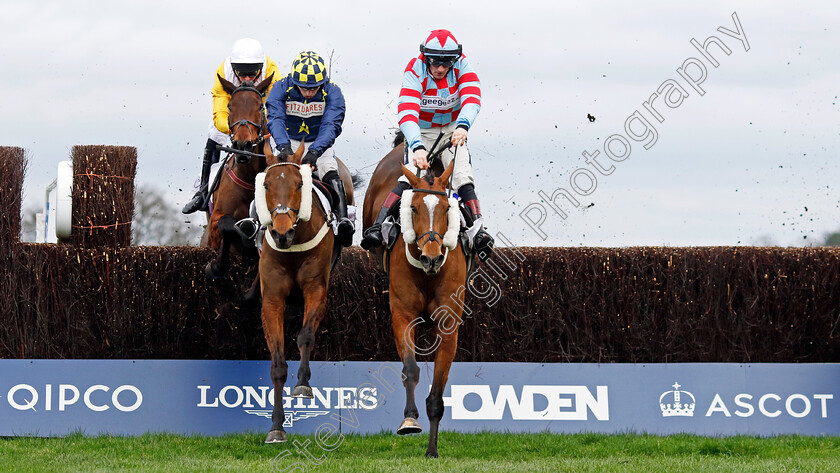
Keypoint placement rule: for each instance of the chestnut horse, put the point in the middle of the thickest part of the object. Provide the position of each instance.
(232, 198)
(299, 250)
(427, 268)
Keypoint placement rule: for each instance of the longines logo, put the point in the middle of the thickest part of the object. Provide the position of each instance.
(258, 400)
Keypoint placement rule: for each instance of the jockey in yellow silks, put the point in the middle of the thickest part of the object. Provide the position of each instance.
(245, 63)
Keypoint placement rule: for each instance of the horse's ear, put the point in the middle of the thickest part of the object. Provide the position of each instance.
(412, 179)
(264, 84)
(226, 84)
(269, 156)
(444, 178)
(295, 158)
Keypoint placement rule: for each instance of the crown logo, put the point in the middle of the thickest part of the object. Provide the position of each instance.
(677, 407)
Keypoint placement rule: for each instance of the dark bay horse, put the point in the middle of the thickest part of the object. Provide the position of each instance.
(427, 268)
(299, 250)
(232, 198)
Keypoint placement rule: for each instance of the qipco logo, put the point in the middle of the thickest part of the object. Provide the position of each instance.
(98, 398)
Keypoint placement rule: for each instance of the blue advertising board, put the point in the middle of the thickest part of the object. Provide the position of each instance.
(125, 397)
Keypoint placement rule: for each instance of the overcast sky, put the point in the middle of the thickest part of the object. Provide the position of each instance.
(753, 160)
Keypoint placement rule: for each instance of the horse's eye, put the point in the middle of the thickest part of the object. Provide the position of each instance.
(300, 185)
(414, 209)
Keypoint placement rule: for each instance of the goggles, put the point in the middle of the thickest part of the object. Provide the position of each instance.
(247, 70)
(446, 61)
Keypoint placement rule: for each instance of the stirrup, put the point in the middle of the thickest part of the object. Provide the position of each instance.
(373, 238)
(483, 245)
(247, 228)
(346, 237)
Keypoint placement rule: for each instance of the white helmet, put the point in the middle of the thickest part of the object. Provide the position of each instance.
(247, 57)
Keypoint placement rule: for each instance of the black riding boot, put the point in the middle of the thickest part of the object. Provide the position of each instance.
(373, 238)
(345, 225)
(483, 242)
(200, 199)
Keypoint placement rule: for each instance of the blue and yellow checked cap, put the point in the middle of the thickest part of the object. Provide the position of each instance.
(309, 70)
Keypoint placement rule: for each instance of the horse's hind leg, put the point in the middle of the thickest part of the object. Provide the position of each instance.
(315, 305)
(434, 403)
(403, 325)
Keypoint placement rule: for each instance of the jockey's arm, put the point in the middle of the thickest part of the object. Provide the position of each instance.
(331, 121)
(275, 108)
(220, 102)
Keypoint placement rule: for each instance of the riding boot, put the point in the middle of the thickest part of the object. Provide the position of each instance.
(482, 242)
(373, 236)
(200, 200)
(346, 229)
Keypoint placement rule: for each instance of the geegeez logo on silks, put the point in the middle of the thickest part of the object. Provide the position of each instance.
(433, 102)
(562, 402)
(262, 397)
(98, 398)
(680, 403)
(304, 110)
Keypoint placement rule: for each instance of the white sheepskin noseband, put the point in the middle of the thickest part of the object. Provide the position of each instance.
(261, 203)
(406, 219)
(453, 224)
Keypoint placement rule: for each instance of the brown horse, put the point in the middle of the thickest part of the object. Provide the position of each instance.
(299, 250)
(427, 268)
(232, 198)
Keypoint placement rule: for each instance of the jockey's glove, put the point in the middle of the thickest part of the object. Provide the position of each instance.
(284, 151)
(310, 158)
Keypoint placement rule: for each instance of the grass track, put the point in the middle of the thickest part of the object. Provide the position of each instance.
(486, 452)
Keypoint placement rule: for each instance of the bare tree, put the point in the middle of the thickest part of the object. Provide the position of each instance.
(158, 222)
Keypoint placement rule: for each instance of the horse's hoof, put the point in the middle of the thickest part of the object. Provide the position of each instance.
(212, 272)
(302, 391)
(409, 426)
(276, 436)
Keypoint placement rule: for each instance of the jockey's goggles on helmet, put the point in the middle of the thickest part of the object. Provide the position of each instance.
(250, 70)
(446, 61)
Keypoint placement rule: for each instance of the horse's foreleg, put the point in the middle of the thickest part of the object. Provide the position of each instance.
(434, 403)
(219, 267)
(273, 311)
(315, 305)
(403, 324)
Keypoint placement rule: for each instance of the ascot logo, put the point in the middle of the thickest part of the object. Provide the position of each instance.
(677, 407)
(562, 402)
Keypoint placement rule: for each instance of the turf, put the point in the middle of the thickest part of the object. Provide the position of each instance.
(485, 452)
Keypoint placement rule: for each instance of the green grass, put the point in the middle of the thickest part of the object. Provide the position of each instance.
(486, 452)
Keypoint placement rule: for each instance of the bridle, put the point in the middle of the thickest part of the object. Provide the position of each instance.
(242, 156)
(280, 208)
(432, 235)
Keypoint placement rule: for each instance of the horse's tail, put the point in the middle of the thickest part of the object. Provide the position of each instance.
(399, 138)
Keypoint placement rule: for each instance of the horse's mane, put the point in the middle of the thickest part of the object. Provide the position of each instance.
(398, 138)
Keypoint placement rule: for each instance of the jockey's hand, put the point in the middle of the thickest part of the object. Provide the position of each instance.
(421, 160)
(283, 152)
(459, 137)
(310, 159)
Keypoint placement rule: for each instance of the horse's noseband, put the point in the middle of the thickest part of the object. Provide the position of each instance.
(283, 209)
